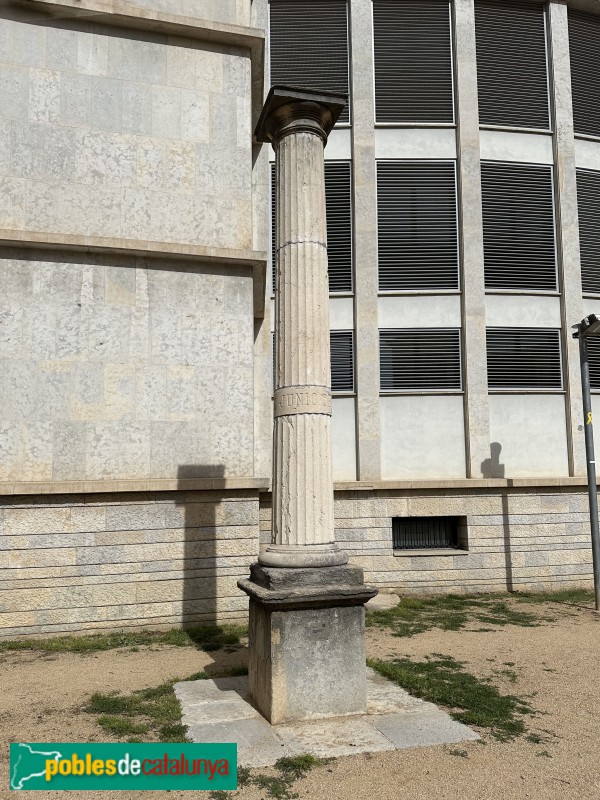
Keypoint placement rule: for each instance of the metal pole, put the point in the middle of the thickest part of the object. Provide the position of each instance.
(591, 462)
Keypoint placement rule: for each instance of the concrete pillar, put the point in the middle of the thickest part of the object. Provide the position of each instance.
(567, 219)
(477, 413)
(307, 654)
(366, 276)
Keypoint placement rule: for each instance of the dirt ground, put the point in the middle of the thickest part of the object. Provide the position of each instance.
(556, 666)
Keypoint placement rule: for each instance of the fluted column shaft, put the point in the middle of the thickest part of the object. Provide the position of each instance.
(303, 529)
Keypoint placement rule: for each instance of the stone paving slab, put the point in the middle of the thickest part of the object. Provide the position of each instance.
(220, 711)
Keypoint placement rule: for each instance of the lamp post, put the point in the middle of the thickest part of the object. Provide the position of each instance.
(590, 326)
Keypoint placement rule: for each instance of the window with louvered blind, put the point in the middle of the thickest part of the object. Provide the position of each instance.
(524, 358)
(588, 201)
(338, 202)
(518, 226)
(420, 360)
(512, 70)
(417, 225)
(593, 350)
(413, 61)
(308, 44)
(342, 361)
(584, 45)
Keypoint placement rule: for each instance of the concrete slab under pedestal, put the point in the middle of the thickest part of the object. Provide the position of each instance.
(220, 711)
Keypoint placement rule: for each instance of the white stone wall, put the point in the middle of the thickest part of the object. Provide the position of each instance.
(123, 368)
(116, 134)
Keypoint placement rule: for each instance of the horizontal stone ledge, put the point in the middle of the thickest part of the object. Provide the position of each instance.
(102, 245)
(462, 483)
(119, 486)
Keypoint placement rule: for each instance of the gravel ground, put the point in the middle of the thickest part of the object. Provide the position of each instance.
(556, 667)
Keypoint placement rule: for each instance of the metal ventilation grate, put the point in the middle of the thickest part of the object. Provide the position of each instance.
(512, 68)
(309, 45)
(413, 61)
(342, 361)
(584, 44)
(420, 359)
(588, 201)
(518, 226)
(524, 358)
(416, 533)
(593, 350)
(417, 225)
(338, 200)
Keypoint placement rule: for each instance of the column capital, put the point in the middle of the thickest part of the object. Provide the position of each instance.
(290, 110)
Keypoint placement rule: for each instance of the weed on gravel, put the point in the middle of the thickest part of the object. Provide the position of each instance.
(470, 700)
(452, 612)
(289, 769)
(204, 637)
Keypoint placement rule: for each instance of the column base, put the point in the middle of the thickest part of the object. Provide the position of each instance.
(300, 556)
(307, 649)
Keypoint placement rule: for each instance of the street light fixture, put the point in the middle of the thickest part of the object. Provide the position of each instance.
(590, 326)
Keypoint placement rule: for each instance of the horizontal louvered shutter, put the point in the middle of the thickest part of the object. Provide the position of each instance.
(524, 358)
(593, 350)
(512, 72)
(420, 359)
(588, 200)
(518, 226)
(413, 61)
(308, 45)
(338, 200)
(417, 225)
(584, 45)
(342, 361)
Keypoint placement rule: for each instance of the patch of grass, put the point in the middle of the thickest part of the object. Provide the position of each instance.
(289, 769)
(461, 753)
(576, 596)
(470, 700)
(509, 674)
(452, 612)
(154, 713)
(120, 726)
(204, 637)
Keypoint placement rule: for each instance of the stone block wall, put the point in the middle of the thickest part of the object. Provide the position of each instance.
(113, 368)
(124, 135)
(536, 538)
(101, 562)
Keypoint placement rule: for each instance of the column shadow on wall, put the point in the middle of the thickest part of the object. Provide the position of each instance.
(493, 468)
(201, 567)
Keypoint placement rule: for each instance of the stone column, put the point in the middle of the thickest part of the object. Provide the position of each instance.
(302, 532)
(306, 606)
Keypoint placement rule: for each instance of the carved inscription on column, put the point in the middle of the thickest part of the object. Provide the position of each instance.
(302, 400)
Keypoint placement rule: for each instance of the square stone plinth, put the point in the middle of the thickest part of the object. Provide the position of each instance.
(307, 663)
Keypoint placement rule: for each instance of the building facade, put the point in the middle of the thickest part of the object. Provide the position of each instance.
(137, 271)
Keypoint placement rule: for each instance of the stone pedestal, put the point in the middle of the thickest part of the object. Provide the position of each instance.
(307, 654)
